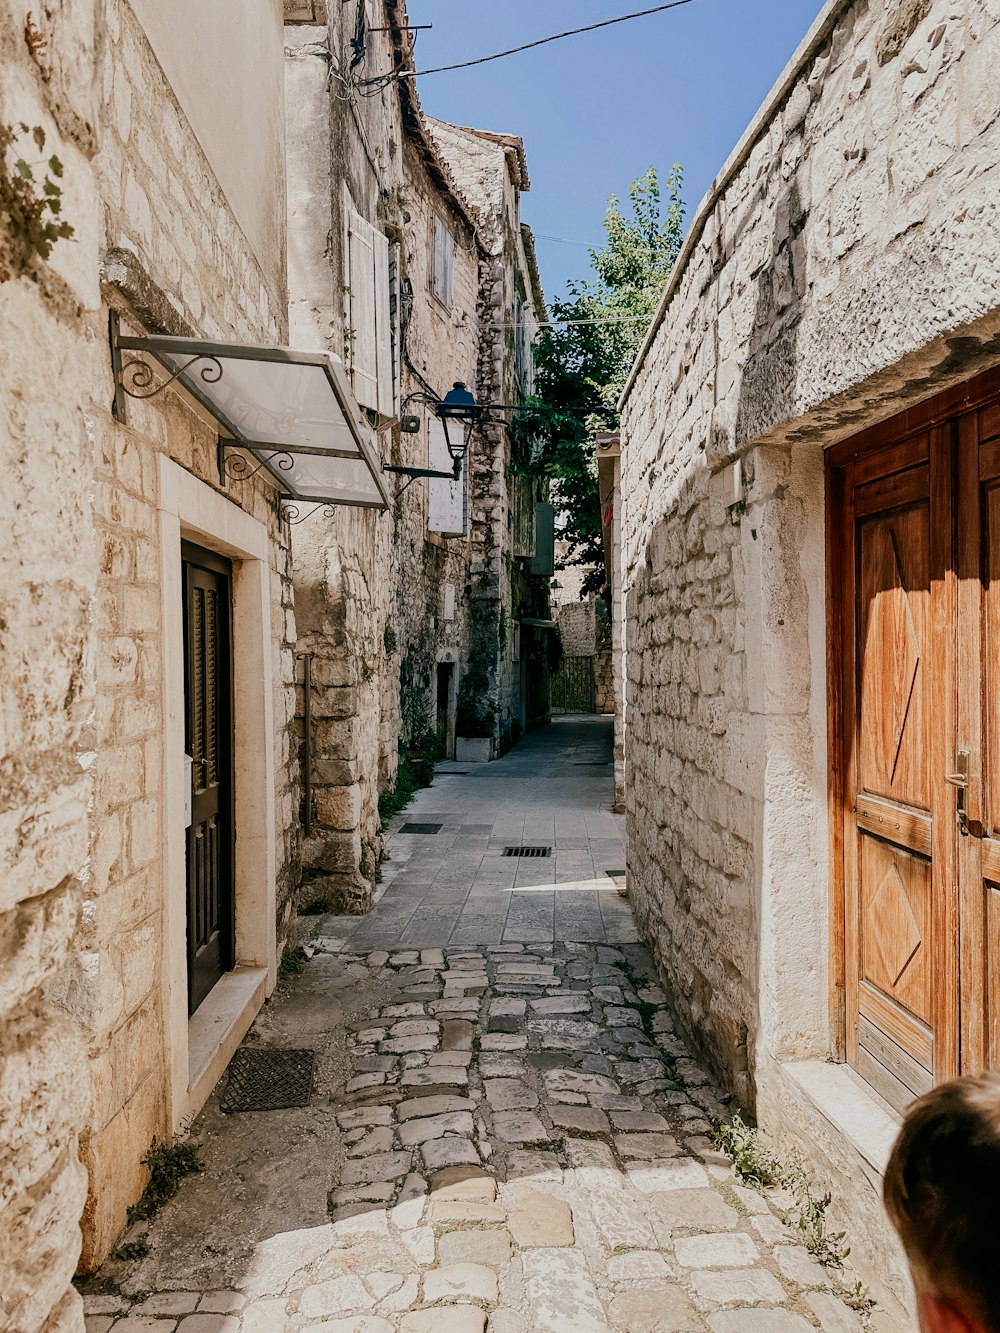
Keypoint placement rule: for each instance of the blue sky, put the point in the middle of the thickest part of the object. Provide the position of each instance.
(596, 110)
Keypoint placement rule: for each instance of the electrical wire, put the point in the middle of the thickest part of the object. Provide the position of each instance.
(564, 323)
(527, 46)
(564, 240)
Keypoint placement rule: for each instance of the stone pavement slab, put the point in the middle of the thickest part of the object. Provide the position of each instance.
(502, 1201)
(506, 1134)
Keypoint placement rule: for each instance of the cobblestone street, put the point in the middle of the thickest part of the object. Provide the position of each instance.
(505, 1132)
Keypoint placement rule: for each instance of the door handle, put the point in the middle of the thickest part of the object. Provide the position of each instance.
(960, 780)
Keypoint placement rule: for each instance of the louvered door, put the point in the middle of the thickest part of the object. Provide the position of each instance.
(208, 709)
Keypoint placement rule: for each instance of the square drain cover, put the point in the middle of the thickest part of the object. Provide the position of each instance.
(261, 1079)
(527, 851)
(421, 828)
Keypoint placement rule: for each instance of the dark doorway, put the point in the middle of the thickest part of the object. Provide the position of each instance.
(445, 692)
(208, 727)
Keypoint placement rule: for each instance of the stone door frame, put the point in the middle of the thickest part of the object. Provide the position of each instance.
(199, 1049)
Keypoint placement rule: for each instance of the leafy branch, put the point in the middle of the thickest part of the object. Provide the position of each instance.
(30, 205)
(583, 360)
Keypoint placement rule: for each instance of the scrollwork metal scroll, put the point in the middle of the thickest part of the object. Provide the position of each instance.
(137, 376)
(238, 468)
(295, 514)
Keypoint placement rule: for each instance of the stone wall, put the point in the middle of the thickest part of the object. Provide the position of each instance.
(490, 172)
(345, 568)
(48, 571)
(840, 269)
(578, 628)
(371, 587)
(152, 220)
(440, 347)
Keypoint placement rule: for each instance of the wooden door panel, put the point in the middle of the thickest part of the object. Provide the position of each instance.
(893, 698)
(896, 925)
(992, 952)
(893, 583)
(991, 659)
(915, 633)
(979, 733)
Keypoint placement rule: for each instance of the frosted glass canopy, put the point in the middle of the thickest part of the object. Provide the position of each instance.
(293, 411)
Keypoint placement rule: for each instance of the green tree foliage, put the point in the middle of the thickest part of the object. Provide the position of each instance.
(581, 368)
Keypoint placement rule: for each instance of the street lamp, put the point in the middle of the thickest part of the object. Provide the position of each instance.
(458, 406)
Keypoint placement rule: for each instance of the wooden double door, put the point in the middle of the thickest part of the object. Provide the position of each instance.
(208, 702)
(915, 673)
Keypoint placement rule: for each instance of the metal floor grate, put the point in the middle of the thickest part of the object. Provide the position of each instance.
(261, 1079)
(527, 851)
(592, 763)
(421, 828)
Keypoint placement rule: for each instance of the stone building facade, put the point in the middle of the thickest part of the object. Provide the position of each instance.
(509, 653)
(392, 609)
(840, 272)
(150, 651)
(175, 236)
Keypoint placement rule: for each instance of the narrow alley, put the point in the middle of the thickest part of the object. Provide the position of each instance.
(502, 1125)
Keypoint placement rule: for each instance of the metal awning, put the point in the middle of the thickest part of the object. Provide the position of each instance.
(293, 411)
(536, 623)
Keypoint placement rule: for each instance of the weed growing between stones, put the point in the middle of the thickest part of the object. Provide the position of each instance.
(292, 962)
(806, 1217)
(168, 1164)
(751, 1162)
(131, 1249)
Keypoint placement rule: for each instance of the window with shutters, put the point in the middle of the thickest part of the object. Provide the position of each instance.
(442, 261)
(370, 351)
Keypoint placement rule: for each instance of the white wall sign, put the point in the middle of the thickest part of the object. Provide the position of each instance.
(447, 508)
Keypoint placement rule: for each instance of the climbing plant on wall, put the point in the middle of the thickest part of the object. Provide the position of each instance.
(581, 367)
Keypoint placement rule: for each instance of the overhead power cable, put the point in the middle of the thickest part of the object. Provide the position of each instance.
(564, 240)
(561, 323)
(530, 46)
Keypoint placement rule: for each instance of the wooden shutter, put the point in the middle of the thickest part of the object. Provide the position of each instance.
(442, 262)
(364, 334)
(543, 561)
(395, 324)
(386, 403)
(446, 507)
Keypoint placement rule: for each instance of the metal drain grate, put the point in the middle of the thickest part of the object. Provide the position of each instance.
(421, 828)
(527, 851)
(261, 1079)
(453, 773)
(592, 763)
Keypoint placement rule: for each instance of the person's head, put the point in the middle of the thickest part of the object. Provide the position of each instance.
(942, 1193)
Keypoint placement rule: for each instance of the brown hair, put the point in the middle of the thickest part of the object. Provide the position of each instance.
(942, 1192)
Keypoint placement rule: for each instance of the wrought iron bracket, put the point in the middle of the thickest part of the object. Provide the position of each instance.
(413, 473)
(233, 466)
(294, 513)
(135, 378)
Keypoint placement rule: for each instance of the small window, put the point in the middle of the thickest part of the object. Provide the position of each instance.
(442, 261)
